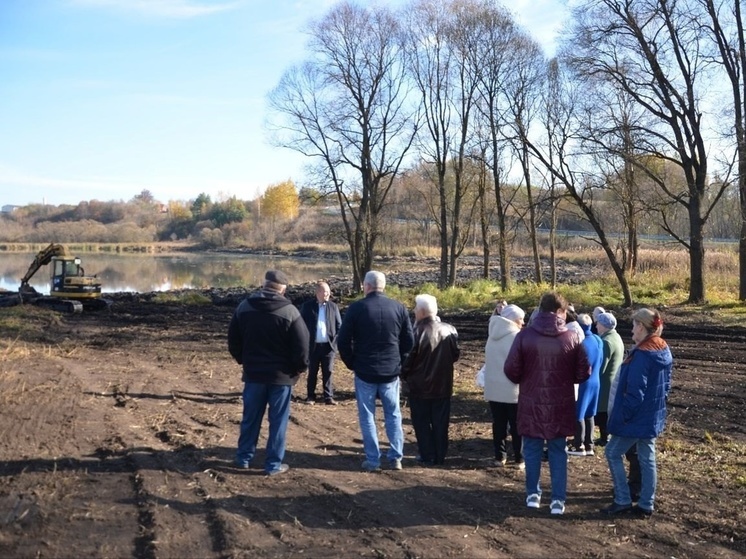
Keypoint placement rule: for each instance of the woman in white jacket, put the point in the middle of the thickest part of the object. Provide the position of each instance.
(502, 394)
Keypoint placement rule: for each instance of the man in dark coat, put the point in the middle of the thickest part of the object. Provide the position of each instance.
(374, 340)
(546, 360)
(268, 337)
(323, 320)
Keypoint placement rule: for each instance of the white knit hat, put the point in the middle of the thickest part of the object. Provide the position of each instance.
(513, 312)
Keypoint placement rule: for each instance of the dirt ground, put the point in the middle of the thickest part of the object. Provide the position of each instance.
(118, 431)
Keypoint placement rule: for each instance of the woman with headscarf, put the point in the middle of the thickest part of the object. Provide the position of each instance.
(638, 412)
(502, 394)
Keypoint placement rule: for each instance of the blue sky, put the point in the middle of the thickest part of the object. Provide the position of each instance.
(102, 99)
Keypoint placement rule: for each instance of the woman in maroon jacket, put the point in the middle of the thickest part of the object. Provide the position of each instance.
(546, 360)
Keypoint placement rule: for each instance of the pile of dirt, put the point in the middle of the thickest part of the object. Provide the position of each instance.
(119, 430)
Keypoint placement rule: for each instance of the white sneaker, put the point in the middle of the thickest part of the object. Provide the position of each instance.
(557, 507)
(533, 501)
(572, 451)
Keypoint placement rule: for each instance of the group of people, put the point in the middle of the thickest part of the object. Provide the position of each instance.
(556, 378)
(276, 342)
(544, 382)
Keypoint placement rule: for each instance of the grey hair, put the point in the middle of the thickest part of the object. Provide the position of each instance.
(585, 319)
(427, 303)
(376, 280)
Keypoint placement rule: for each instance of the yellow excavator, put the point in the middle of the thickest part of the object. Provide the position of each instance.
(70, 289)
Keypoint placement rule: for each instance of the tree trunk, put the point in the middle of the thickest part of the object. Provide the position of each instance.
(696, 253)
(443, 277)
(531, 215)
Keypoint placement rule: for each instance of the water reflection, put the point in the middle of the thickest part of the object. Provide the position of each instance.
(145, 273)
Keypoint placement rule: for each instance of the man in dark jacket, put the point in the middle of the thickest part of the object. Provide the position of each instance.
(268, 337)
(428, 371)
(374, 340)
(546, 360)
(323, 320)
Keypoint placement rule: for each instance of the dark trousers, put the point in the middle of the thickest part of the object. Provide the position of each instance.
(584, 433)
(601, 418)
(503, 422)
(321, 356)
(430, 419)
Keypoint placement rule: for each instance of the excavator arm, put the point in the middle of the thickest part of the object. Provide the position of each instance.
(41, 259)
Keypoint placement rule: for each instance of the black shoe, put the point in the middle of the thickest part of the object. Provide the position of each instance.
(614, 508)
(330, 402)
(600, 442)
(310, 401)
(639, 511)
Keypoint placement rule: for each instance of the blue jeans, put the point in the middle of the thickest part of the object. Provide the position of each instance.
(256, 398)
(365, 394)
(557, 449)
(615, 451)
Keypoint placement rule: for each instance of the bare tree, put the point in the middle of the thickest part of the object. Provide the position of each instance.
(348, 108)
(612, 130)
(492, 48)
(522, 92)
(436, 44)
(429, 60)
(558, 154)
(727, 30)
(651, 49)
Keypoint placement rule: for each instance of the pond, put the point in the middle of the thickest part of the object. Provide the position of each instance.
(155, 272)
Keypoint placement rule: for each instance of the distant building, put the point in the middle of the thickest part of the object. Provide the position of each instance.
(9, 209)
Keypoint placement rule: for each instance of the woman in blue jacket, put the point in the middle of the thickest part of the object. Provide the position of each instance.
(637, 411)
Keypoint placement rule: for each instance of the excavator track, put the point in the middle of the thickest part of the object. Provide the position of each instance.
(59, 305)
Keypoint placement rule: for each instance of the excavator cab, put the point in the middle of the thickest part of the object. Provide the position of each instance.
(70, 282)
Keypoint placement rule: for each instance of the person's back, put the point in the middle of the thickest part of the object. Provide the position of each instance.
(501, 333)
(268, 337)
(546, 360)
(430, 373)
(374, 340)
(381, 333)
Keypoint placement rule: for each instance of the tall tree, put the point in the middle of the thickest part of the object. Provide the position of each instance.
(557, 153)
(348, 108)
(651, 50)
(429, 64)
(522, 92)
(727, 31)
(492, 48)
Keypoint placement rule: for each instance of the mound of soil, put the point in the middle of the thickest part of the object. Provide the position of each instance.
(119, 429)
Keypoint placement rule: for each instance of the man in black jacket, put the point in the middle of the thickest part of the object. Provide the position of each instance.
(374, 340)
(268, 337)
(322, 319)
